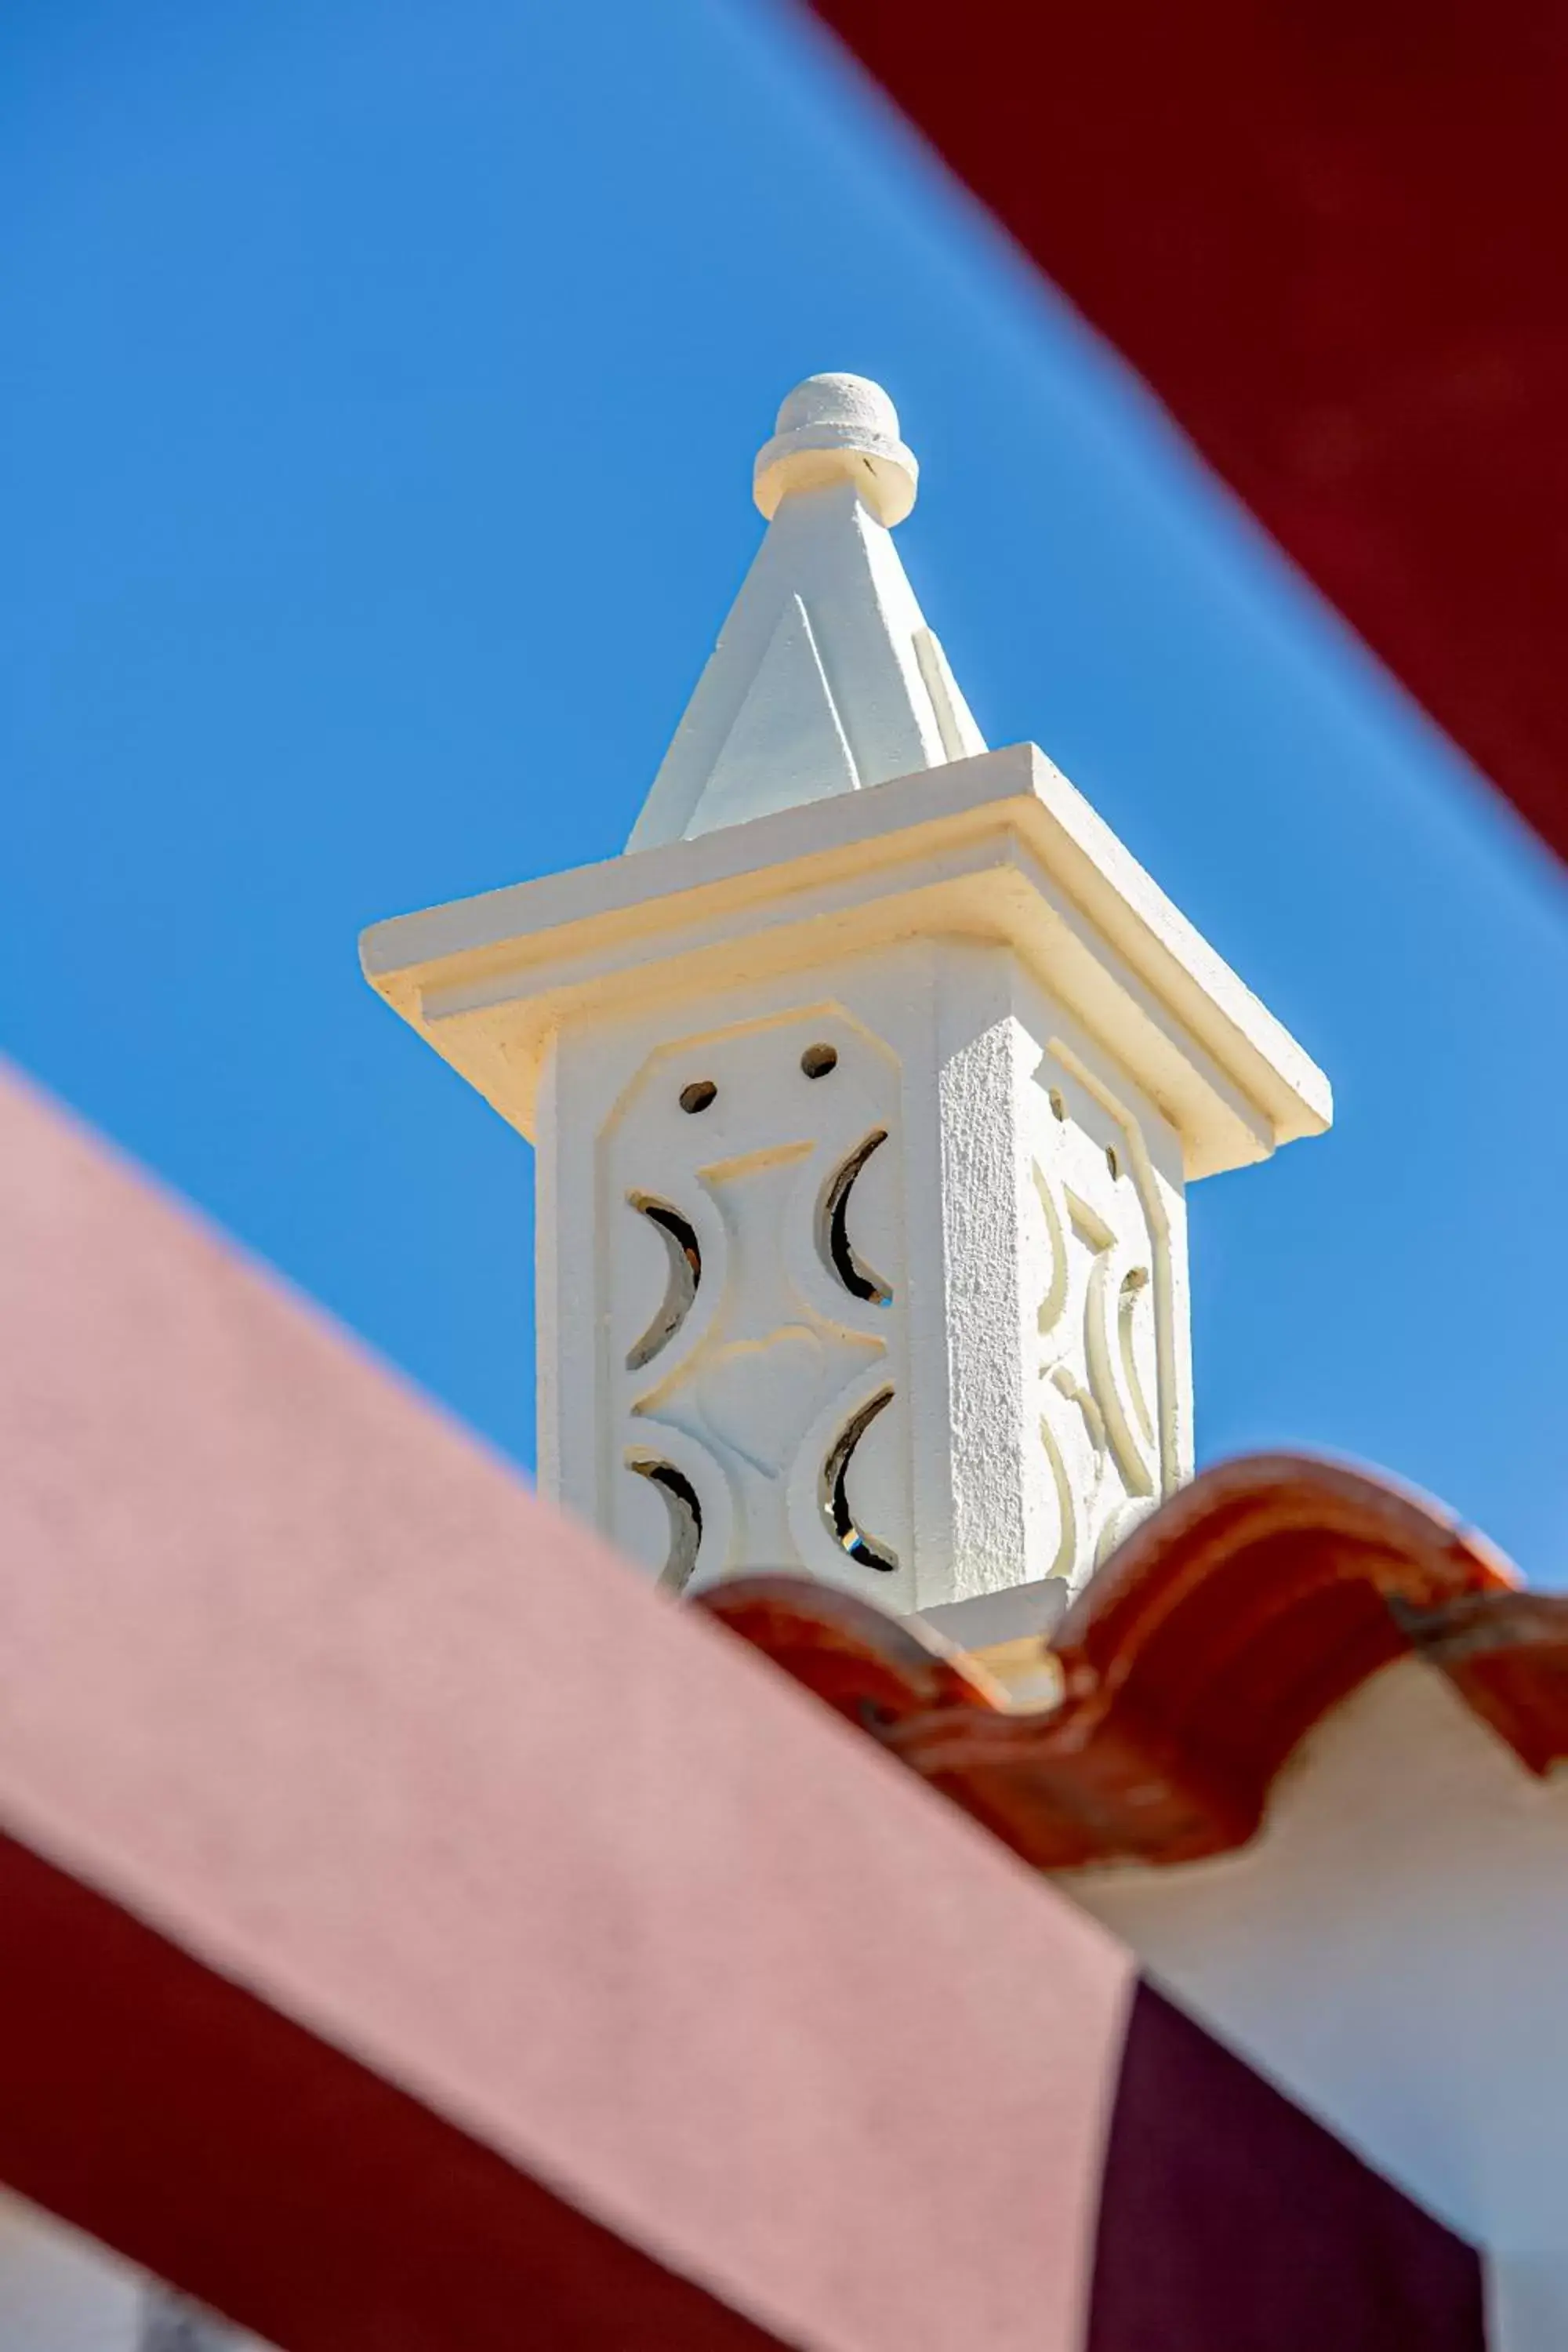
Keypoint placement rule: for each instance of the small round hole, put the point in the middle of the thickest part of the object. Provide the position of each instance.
(699, 1094)
(1058, 1108)
(1111, 1162)
(817, 1060)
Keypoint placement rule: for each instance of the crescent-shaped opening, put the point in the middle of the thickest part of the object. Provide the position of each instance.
(1134, 1285)
(685, 1518)
(834, 1499)
(680, 1287)
(859, 1279)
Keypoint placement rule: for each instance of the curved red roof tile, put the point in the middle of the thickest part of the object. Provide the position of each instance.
(1234, 1619)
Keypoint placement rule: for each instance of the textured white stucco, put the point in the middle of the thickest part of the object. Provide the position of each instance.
(826, 677)
(1392, 1950)
(1031, 1054)
(1020, 1208)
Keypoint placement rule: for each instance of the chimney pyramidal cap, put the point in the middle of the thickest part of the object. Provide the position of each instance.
(826, 677)
(838, 428)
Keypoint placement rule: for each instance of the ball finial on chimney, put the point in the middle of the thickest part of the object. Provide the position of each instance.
(838, 428)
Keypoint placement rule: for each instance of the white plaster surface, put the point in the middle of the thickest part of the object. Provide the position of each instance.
(917, 1325)
(826, 677)
(1392, 1950)
(838, 428)
(61, 2292)
(997, 847)
(1015, 1213)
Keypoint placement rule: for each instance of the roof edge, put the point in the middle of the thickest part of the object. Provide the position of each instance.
(1231, 1623)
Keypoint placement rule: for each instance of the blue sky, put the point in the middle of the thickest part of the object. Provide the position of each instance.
(382, 392)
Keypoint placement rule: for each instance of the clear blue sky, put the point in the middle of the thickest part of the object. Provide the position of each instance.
(382, 388)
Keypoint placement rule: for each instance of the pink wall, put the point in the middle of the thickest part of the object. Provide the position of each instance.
(295, 1673)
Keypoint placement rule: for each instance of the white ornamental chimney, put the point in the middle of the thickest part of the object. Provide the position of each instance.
(865, 1086)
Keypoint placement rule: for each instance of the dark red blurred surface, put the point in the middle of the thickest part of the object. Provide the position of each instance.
(1230, 2222)
(1332, 235)
(180, 2118)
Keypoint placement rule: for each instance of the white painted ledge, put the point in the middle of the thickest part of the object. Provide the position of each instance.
(1000, 847)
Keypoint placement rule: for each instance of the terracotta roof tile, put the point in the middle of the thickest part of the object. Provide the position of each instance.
(1230, 1624)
